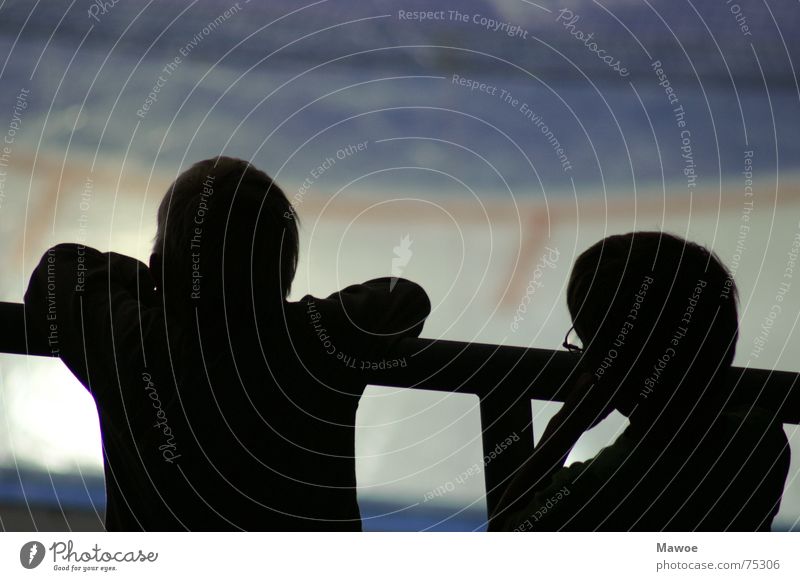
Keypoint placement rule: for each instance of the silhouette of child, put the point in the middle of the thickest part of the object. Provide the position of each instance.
(657, 316)
(222, 405)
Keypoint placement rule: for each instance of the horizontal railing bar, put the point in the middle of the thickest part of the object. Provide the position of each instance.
(544, 374)
(482, 369)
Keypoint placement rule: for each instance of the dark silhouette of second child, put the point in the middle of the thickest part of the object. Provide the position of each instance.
(658, 320)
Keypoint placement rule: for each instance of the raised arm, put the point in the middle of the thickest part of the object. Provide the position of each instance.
(584, 408)
(88, 304)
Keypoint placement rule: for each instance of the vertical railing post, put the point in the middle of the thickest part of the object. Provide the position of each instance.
(507, 435)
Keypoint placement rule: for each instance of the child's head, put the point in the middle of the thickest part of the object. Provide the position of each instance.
(225, 229)
(657, 315)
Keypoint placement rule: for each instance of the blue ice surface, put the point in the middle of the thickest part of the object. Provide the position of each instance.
(38, 489)
(74, 492)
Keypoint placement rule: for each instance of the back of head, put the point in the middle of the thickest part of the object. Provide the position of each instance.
(227, 240)
(658, 317)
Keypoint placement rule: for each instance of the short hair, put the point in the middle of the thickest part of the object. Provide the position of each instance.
(653, 308)
(225, 225)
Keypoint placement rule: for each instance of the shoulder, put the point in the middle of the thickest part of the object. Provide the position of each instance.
(754, 424)
(755, 436)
